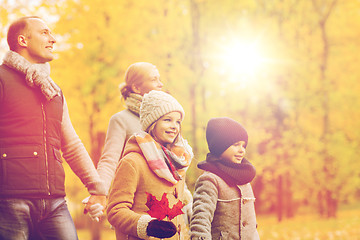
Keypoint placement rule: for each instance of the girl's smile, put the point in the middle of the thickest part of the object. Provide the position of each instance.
(167, 128)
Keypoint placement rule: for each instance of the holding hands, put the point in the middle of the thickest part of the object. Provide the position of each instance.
(95, 206)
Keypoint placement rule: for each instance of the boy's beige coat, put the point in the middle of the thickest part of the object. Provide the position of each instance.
(222, 211)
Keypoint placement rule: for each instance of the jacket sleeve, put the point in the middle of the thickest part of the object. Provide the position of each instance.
(77, 157)
(204, 206)
(121, 198)
(1, 90)
(114, 144)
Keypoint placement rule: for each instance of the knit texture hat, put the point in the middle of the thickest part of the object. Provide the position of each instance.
(156, 104)
(223, 132)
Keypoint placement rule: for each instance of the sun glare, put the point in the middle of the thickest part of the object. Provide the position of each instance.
(242, 59)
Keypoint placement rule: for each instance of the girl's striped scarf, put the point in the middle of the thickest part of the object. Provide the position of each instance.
(168, 164)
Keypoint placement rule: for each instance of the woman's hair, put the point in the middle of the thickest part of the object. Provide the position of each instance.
(135, 74)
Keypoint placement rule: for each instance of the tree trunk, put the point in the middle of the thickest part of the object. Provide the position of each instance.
(331, 205)
(196, 67)
(320, 201)
(280, 190)
(96, 149)
(324, 13)
(288, 196)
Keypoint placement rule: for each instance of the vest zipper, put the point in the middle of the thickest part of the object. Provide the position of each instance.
(45, 149)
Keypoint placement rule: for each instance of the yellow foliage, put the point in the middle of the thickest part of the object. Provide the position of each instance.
(301, 108)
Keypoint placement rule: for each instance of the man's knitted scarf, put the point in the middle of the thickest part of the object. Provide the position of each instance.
(36, 75)
(133, 102)
(168, 164)
(238, 173)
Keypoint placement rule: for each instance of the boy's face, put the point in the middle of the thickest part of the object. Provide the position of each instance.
(235, 153)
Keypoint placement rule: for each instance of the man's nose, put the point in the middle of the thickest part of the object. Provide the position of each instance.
(52, 39)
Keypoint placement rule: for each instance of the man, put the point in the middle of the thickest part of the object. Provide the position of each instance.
(34, 127)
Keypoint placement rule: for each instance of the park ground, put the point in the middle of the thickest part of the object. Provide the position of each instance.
(302, 227)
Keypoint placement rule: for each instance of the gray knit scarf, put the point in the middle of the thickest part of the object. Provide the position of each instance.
(36, 75)
(133, 102)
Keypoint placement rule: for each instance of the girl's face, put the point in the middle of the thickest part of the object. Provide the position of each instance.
(167, 128)
(235, 153)
(151, 81)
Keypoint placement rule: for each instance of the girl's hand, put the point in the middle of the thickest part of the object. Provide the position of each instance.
(95, 205)
(161, 229)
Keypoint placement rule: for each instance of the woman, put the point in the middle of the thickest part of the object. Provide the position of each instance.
(140, 78)
(153, 163)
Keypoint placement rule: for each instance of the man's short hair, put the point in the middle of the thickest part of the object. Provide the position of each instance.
(15, 29)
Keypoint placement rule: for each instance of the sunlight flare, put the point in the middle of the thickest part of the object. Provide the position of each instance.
(243, 59)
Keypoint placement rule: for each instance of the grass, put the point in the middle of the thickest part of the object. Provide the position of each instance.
(311, 227)
(106, 234)
(302, 227)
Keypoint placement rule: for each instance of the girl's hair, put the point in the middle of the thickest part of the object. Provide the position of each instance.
(135, 74)
(152, 127)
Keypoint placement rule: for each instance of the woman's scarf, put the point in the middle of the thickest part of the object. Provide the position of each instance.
(133, 102)
(36, 75)
(238, 173)
(168, 164)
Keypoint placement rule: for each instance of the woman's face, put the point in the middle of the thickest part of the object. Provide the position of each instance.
(151, 81)
(167, 128)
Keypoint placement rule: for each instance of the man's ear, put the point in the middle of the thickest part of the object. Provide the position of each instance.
(22, 41)
(135, 89)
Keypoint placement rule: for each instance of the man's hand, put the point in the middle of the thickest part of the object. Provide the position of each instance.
(95, 205)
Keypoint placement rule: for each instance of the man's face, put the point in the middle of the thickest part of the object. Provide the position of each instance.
(38, 42)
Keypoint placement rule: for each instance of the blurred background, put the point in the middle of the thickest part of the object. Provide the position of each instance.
(288, 70)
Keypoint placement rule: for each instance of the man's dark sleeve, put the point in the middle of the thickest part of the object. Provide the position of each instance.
(1, 91)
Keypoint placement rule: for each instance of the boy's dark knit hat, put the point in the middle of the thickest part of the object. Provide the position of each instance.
(223, 132)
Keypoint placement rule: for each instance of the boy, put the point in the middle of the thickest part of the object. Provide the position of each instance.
(223, 205)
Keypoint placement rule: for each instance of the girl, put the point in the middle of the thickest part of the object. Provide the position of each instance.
(153, 163)
(140, 78)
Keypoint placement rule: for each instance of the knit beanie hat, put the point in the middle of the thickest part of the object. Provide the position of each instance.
(223, 132)
(156, 104)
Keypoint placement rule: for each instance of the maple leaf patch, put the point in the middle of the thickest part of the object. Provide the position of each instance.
(160, 209)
